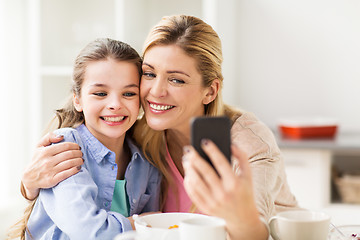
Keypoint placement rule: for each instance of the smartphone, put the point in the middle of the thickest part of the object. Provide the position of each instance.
(217, 129)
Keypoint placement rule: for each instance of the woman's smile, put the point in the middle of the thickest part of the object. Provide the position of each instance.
(159, 107)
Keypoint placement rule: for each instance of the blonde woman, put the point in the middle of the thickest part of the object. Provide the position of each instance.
(182, 79)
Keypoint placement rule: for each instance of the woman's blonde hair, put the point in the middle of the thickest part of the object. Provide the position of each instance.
(68, 116)
(197, 39)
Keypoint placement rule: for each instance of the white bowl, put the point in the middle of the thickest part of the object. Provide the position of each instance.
(156, 226)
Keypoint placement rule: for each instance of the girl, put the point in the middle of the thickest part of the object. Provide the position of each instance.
(115, 181)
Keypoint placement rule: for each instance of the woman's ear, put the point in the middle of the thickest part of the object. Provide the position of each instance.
(212, 92)
(77, 104)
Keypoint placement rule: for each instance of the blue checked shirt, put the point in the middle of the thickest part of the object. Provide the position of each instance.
(79, 207)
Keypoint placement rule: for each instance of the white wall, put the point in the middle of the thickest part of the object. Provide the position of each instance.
(299, 58)
(149, 13)
(282, 58)
(14, 147)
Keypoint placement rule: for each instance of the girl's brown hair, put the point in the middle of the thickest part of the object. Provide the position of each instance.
(197, 39)
(97, 50)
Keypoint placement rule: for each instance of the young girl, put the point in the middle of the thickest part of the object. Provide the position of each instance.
(115, 181)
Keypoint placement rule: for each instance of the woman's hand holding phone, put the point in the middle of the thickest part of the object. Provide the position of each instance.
(221, 192)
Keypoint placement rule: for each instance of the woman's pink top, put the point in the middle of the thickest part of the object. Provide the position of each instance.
(179, 202)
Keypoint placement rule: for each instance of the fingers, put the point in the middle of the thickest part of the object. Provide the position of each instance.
(67, 164)
(218, 159)
(196, 188)
(48, 139)
(203, 169)
(242, 159)
(59, 148)
(60, 176)
(68, 154)
(192, 178)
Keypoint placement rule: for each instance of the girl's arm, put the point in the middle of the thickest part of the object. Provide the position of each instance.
(50, 165)
(229, 196)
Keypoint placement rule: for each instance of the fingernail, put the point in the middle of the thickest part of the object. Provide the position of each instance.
(59, 136)
(205, 141)
(186, 149)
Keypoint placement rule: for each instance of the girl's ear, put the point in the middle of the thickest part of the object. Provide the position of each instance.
(211, 92)
(77, 104)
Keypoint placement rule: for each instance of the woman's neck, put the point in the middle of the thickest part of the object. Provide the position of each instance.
(176, 140)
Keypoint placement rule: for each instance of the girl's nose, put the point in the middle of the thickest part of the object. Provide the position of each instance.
(159, 87)
(115, 103)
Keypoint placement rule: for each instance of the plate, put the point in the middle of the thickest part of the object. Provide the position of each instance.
(351, 232)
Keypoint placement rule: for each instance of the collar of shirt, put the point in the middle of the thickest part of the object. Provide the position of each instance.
(99, 152)
(96, 149)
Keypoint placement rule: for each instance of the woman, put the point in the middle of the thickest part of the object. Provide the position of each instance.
(182, 79)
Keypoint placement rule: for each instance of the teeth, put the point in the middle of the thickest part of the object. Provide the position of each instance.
(160, 107)
(114, 119)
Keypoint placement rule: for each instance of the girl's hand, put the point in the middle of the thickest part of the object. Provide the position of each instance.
(228, 195)
(50, 165)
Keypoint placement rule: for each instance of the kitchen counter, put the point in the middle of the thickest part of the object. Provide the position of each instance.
(309, 164)
(343, 142)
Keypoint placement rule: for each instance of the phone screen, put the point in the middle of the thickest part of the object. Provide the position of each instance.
(217, 129)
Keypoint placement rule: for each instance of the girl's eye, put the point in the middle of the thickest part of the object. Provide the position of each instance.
(176, 81)
(149, 75)
(100, 94)
(129, 94)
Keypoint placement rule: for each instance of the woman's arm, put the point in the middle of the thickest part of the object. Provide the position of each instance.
(229, 196)
(50, 165)
(78, 206)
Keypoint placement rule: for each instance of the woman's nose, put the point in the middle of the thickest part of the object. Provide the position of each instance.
(158, 87)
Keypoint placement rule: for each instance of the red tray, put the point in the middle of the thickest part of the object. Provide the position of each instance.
(309, 132)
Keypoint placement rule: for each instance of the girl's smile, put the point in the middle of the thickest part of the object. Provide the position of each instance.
(113, 120)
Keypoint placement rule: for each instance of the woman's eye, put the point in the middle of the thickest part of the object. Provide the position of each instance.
(176, 81)
(100, 94)
(129, 94)
(149, 75)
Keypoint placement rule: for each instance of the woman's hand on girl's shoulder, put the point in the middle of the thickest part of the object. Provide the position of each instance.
(50, 165)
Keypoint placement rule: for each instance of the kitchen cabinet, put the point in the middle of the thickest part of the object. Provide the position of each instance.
(309, 165)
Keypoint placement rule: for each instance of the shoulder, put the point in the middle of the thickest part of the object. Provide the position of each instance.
(70, 134)
(248, 120)
(251, 133)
